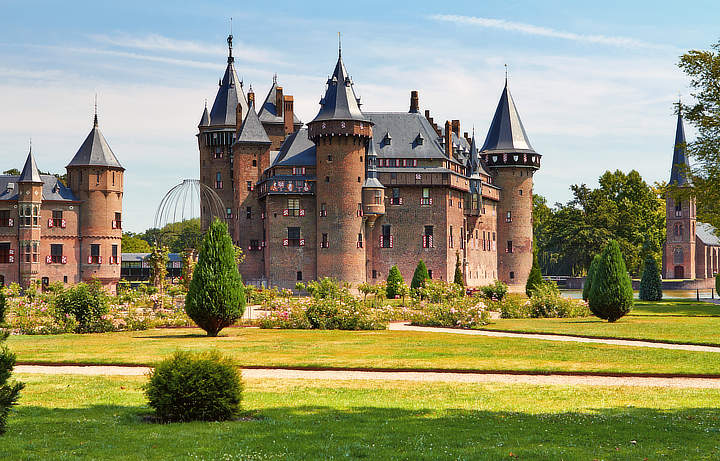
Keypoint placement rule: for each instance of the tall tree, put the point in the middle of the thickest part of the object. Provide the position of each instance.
(132, 243)
(611, 294)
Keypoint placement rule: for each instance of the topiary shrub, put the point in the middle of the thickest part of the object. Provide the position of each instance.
(216, 297)
(651, 283)
(87, 304)
(535, 278)
(589, 277)
(458, 278)
(419, 276)
(394, 280)
(611, 294)
(193, 386)
(9, 391)
(495, 291)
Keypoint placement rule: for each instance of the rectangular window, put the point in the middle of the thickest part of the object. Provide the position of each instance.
(248, 212)
(218, 181)
(323, 210)
(56, 253)
(94, 254)
(249, 185)
(5, 253)
(508, 217)
(386, 238)
(359, 210)
(4, 218)
(427, 238)
(293, 234)
(324, 241)
(360, 240)
(228, 213)
(429, 273)
(293, 208)
(35, 252)
(678, 209)
(299, 275)
(254, 244)
(117, 223)
(509, 248)
(451, 244)
(374, 274)
(396, 199)
(298, 171)
(218, 152)
(426, 200)
(451, 198)
(114, 254)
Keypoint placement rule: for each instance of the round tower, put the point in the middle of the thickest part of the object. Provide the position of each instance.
(340, 132)
(509, 155)
(96, 178)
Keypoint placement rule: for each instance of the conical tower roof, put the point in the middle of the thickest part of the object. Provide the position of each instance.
(476, 164)
(340, 101)
(680, 165)
(371, 175)
(268, 111)
(95, 150)
(252, 130)
(229, 95)
(30, 171)
(205, 119)
(507, 134)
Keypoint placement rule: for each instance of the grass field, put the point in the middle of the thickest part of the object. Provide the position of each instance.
(368, 349)
(678, 321)
(98, 418)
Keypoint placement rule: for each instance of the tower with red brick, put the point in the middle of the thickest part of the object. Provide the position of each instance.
(29, 203)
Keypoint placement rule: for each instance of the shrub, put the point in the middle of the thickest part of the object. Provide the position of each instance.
(3, 306)
(394, 280)
(419, 276)
(717, 284)
(9, 391)
(611, 294)
(436, 291)
(216, 297)
(589, 277)
(495, 291)
(195, 386)
(87, 304)
(464, 313)
(512, 307)
(458, 278)
(651, 283)
(341, 312)
(547, 302)
(535, 278)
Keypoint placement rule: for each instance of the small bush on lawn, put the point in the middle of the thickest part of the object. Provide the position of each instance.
(495, 291)
(458, 277)
(394, 280)
(547, 302)
(87, 304)
(419, 276)
(468, 312)
(192, 386)
(436, 291)
(611, 295)
(512, 307)
(9, 391)
(535, 278)
(651, 283)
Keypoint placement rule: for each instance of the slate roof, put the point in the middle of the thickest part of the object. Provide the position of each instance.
(53, 188)
(252, 130)
(706, 233)
(506, 133)
(30, 171)
(230, 93)
(404, 128)
(371, 179)
(95, 151)
(205, 119)
(297, 150)
(678, 172)
(268, 111)
(340, 101)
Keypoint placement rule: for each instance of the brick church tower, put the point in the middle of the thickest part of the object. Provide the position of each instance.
(340, 132)
(679, 254)
(509, 155)
(95, 177)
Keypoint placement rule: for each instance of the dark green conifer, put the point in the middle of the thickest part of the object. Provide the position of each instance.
(420, 275)
(216, 297)
(651, 283)
(9, 392)
(611, 294)
(458, 279)
(394, 280)
(589, 277)
(535, 279)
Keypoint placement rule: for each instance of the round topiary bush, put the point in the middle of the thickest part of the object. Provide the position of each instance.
(611, 295)
(193, 386)
(589, 277)
(651, 283)
(394, 280)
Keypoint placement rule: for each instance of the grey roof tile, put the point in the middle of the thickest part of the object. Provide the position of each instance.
(678, 172)
(95, 151)
(252, 130)
(297, 150)
(506, 133)
(53, 188)
(205, 119)
(268, 111)
(30, 171)
(340, 101)
(404, 128)
(230, 93)
(706, 233)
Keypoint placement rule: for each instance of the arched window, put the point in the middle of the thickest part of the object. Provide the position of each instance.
(678, 256)
(678, 231)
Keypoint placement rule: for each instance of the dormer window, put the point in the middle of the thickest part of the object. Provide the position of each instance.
(419, 139)
(386, 140)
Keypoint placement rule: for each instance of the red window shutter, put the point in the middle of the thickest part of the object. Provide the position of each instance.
(11, 222)
(63, 259)
(62, 223)
(263, 243)
(424, 241)
(89, 259)
(302, 212)
(430, 242)
(11, 259)
(400, 200)
(285, 242)
(48, 259)
(302, 242)
(11, 252)
(262, 215)
(286, 212)
(381, 241)
(50, 222)
(391, 241)
(99, 259)
(114, 224)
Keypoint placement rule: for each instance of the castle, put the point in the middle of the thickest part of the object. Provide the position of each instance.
(355, 192)
(50, 232)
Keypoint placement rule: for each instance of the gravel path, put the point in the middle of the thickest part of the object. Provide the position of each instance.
(545, 337)
(416, 376)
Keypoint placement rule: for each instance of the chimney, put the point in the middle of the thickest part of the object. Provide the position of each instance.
(414, 102)
(288, 118)
(427, 114)
(279, 101)
(448, 139)
(251, 97)
(456, 127)
(238, 118)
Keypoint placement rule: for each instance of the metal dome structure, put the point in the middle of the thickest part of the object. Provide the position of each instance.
(187, 200)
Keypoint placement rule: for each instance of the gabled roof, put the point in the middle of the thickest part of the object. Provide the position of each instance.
(340, 101)
(404, 128)
(268, 111)
(30, 171)
(706, 233)
(371, 174)
(297, 150)
(252, 131)
(95, 151)
(680, 165)
(507, 134)
(230, 93)
(476, 163)
(52, 189)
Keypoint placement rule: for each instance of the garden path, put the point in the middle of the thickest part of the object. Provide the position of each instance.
(417, 376)
(403, 326)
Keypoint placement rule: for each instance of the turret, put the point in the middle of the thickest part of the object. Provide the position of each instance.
(340, 132)
(29, 203)
(95, 177)
(373, 190)
(508, 154)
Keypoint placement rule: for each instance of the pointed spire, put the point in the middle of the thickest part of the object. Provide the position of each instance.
(30, 173)
(95, 119)
(680, 164)
(229, 95)
(506, 133)
(340, 101)
(95, 151)
(252, 131)
(371, 174)
(205, 119)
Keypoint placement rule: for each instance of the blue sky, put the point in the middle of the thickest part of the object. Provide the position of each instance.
(594, 83)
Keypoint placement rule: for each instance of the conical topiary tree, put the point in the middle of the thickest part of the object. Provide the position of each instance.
(651, 283)
(216, 297)
(9, 392)
(394, 280)
(611, 294)
(458, 279)
(589, 277)
(535, 278)
(420, 275)
(717, 284)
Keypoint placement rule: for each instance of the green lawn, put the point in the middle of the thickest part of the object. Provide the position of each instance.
(63, 418)
(363, 349)
(679, 321)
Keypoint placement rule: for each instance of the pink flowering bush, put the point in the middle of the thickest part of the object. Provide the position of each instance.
(468, 312)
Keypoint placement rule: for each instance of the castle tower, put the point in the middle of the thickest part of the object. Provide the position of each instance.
(513, 161)
(340, 132)
(29, 201)
(679, 254)
(95, 176)
(216, 135)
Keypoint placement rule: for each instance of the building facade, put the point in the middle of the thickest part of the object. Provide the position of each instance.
(55, 231)
(692, 248)
(354, 192)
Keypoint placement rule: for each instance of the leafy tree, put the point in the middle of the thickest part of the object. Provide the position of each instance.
(589, 277)
(12, 171)
(651, 283)
(188, 266)
(132, 243)
(458, 279)
(217, 296)
(535, 279)
(158, 260)
(611, 295)
(394, 280)
(403, 291)
(419, 276)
